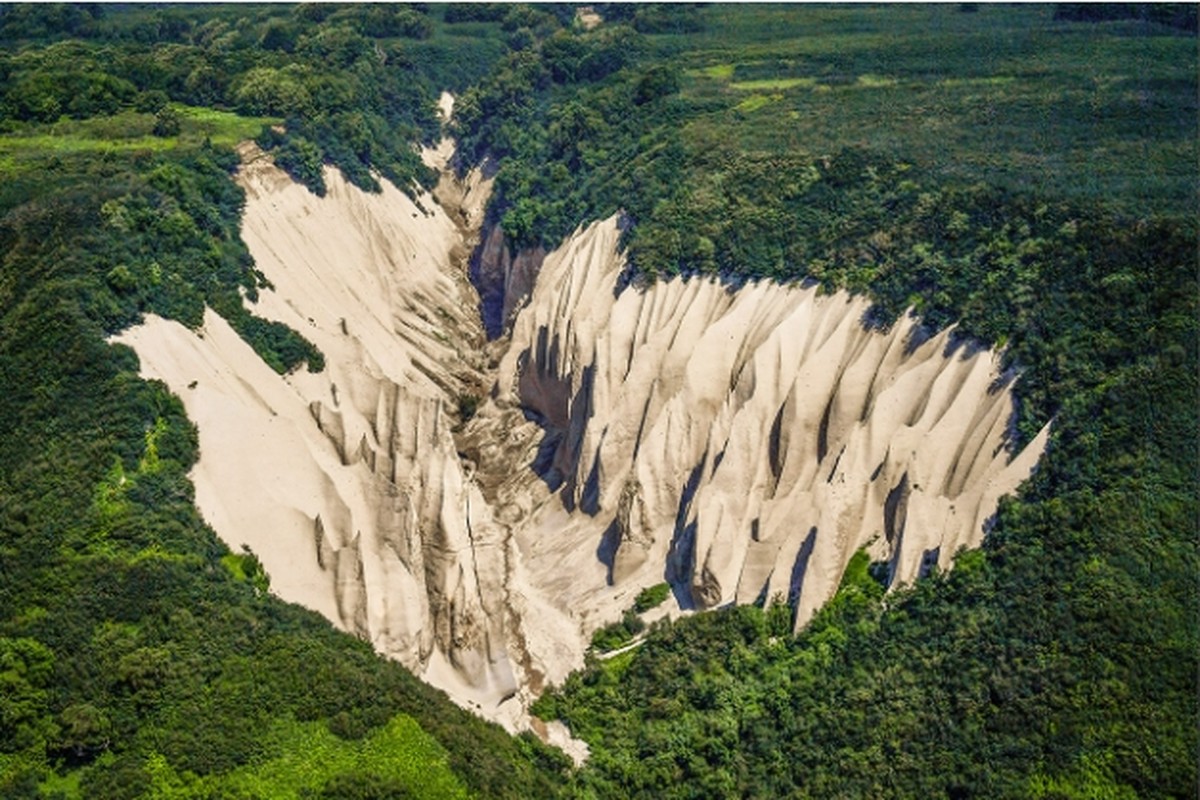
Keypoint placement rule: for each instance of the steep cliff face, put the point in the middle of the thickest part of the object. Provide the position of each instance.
(347, 483)
(503, 279)
(737, 442)
(744, 443)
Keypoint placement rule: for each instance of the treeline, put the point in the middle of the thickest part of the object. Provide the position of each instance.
(138, 656)
(1031, 275)
(1058, 662)
(151, 233)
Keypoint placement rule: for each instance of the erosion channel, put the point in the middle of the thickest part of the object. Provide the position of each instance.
(477, 508)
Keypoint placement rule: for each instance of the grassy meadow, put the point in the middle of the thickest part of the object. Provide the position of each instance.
(28, 148)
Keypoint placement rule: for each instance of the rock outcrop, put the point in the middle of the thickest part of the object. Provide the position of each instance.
(503, 279)
(738, 442)
(347, 483)
(745, 442)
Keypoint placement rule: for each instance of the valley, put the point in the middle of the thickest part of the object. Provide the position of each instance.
(739, 442)
(638, 400)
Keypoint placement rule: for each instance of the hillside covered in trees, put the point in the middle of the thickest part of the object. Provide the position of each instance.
(138, 656)
(1027, 175)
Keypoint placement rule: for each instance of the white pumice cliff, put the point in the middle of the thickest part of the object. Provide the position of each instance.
(744, 443)
(740, 443)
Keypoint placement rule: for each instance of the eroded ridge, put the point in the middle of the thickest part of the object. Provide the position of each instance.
(740, 444)
(745, 443)
(347, 483)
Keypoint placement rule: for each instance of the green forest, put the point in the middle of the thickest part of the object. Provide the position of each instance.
(1026, 172)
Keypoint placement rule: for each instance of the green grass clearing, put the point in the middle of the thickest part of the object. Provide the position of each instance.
(756, 101)
(720, 72)
(27, 147)
(772, 83)
(308, 755)
(305, 756)
(875, 81)
(224, 128)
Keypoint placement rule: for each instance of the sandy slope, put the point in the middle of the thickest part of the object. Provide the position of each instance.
(737, 443)
(746, 443)
(347, 483)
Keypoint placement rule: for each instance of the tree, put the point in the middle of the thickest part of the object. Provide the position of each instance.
(26, 669)
(267, 90)
(86, 730)
(166, 122)
(658, 81)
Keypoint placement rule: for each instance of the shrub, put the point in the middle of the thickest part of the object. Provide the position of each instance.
(166, 122)
(651, 597)
(618, 634)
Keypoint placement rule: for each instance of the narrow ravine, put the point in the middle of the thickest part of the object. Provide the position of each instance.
(477, 505)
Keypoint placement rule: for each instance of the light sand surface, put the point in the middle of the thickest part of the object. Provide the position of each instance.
(745, 443)
(347, 483)
(738, 443)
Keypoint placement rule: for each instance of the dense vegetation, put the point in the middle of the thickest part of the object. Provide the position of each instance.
(1033, 181)
(138, 656)
(352, 85)
(1030, 178)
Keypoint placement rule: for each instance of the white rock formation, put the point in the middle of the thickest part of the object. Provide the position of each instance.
(503, 279)
(739, 443)
(745, 443)
(347, 483)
